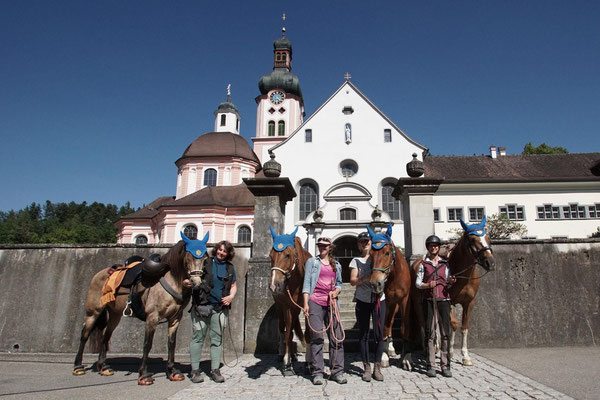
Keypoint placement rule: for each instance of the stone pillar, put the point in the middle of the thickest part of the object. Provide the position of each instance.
(416, 195)
(270, 196)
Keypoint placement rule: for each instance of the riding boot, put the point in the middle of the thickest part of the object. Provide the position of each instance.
(377, 375)
(367, 374)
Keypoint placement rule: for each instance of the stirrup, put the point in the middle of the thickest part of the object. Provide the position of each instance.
(128, 307)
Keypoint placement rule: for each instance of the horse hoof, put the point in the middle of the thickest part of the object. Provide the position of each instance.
(107, 371)
(145, 380)
(467, 362)
(288, 372)
(79, 371)
(176, 376)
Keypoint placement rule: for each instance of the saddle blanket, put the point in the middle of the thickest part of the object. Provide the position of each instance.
(114, 281)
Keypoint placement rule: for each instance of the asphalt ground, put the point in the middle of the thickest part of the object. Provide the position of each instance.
(538, 373)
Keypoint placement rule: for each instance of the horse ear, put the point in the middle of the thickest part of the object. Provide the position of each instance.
(206, 237)
(185, 238)
(389, 230)
(272, 232)
(371, 233)
(294, 233)
(464, 226)
(483, 221)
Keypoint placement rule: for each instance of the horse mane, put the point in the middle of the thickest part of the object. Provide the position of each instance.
(174, 259)
(460, 256)
(303, 254)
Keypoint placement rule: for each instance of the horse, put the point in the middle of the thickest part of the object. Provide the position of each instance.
(160, 302)
(391, 275)
(471, 250)
(288, 257)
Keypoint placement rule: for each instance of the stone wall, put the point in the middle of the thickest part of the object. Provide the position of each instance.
(544, 293)
(42, 295)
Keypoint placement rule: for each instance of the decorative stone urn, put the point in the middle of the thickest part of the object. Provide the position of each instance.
(415, 168)
(272, 169)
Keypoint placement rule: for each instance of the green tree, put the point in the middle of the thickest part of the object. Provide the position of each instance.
(543, 149)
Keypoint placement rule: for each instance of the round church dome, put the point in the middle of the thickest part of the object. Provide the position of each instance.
(280, 79)
(220, 144)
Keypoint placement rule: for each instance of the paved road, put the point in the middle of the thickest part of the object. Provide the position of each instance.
(48, 376)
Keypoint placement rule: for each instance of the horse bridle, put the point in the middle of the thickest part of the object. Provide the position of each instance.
(477, 255)
(287, 274)
(387, 269)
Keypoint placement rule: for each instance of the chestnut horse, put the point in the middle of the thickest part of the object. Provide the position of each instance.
(391, 275)
(287, 277)
(184, 262)
(472, 249)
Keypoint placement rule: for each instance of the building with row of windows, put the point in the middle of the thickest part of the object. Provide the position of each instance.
(344, 162)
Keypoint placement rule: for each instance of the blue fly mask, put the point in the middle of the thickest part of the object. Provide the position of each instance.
(379, 240)
(280, 242)
(474, 229)
(195, 247)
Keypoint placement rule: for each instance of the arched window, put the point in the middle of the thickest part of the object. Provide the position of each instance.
(210, 177)
(223, 119)
(309, 197)
(141, 239)
(191, 232)
(281, 128)
(244, 234)
(271, 131)
(388, 203)
(347, 214)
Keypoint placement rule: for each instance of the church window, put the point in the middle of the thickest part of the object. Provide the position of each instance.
(387, 135)
(308, 135)
(388, 203)
(513, 212)
(237, 124)
(271, 131)
(475, 214)
(347, 214)
(347, 110)
(281, 128)
(308, 199)
(271, 110)
(243, 235)
(210, 177)
(191, 232)
(141, 239)
(283, 57)
(348, 168)
(455, 214)
(281, 110)
(223, 117)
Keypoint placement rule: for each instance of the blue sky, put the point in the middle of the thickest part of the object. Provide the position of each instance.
(99, 98)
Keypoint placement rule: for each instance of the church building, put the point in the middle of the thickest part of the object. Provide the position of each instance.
(345, 161)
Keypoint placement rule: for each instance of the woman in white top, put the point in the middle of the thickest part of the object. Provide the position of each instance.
(368, 305)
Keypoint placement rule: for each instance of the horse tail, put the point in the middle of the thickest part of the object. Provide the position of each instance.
(97, 333)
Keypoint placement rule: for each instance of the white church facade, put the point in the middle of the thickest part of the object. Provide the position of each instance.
(344, 162)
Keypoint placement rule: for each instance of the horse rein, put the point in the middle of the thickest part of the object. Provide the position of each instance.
(477, 256)
(387, 269)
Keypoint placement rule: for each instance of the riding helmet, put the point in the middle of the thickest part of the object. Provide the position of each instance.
(432, 239)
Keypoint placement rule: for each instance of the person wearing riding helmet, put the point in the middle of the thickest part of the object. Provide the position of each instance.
(210, 310)
(434, 279)
(368, 305)
(322, 285)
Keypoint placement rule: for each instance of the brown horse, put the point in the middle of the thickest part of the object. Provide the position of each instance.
(184, 262)
(391, 275)
(471, 250)
(287, 277)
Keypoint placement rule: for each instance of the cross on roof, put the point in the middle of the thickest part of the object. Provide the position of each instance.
(283, 17)
(347, 76)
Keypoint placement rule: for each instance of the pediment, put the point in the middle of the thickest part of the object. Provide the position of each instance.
(347, 191)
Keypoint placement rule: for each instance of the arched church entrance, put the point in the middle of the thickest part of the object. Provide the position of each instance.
(345, 249)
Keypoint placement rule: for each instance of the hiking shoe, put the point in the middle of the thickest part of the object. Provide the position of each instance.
(216, 376)
(377, 375)
(196, 376)
(317, 380)
(446, 373)
(367, 374)
(339, 378)
(430, 373)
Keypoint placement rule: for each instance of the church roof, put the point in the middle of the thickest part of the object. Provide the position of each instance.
(282, 79)
(224, 196)
(513, 168)
(150, 210)
(220, 144)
